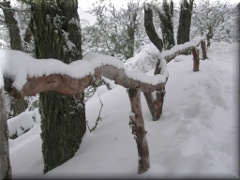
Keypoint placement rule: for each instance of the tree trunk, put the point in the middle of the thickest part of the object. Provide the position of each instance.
(150, 29)
(184, 21)
(155, 105)
(131, 29)
(17, 105)
(137, 124)
(167, 24)
(5, 168)
(12, 25)
(56, 31)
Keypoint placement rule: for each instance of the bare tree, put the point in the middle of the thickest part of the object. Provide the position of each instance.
(210, 17)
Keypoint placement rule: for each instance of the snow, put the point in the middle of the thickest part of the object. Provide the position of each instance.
(99, 60)
(196, 135)
(18, 127)
(144, 61)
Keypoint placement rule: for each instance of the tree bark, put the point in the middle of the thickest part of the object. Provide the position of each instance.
(5, 168)
(131, 29)
(167, 24)
(184, 21)
(155, 105)
(137, 124)
(150, 29)
(56, 31)
(12, 25)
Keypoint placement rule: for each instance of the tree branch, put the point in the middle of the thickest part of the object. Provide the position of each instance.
(98, 118)
(150, 29)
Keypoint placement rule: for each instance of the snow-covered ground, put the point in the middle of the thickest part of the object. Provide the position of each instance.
(197, 134)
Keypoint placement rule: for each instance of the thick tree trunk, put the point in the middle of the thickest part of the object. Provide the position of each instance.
(56, 30)
(138, 130)
(150, 29)
(5, 168)
(166, 19)
(17, 105)
(184, 21)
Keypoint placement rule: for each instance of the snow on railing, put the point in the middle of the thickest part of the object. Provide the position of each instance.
(23, 74)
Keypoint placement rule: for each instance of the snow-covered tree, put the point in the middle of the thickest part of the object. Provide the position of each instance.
(216, 18)
(115, 29)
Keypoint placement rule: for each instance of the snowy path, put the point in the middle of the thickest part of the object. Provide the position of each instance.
(196, 135)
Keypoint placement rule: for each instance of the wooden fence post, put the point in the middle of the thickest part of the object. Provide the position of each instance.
(137, 124)
(204, 50)
(195, 53)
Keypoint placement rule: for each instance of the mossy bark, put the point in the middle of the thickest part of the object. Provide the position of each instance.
(55, 25)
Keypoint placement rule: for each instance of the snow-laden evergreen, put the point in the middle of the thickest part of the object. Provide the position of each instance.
(195, 136)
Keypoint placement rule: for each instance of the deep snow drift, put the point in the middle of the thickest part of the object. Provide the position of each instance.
(195, 136)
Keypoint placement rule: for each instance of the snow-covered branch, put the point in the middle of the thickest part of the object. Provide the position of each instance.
(26, 76)
(184, 48)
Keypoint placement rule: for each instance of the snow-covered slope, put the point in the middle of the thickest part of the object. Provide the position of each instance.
(196, 135)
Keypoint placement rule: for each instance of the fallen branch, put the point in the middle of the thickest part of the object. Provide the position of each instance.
(138, 130)
(98, 118)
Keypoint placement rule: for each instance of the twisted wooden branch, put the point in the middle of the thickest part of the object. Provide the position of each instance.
(68, 85)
